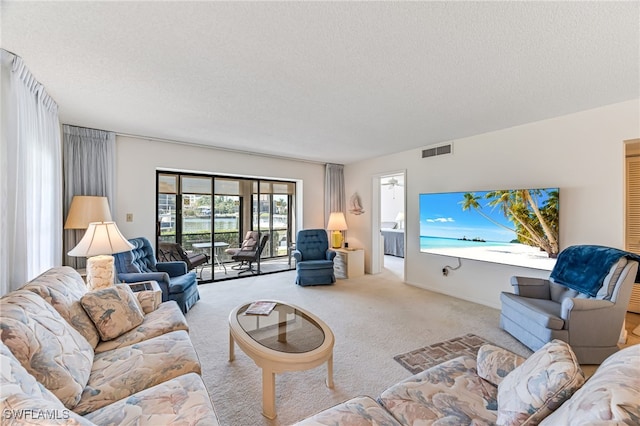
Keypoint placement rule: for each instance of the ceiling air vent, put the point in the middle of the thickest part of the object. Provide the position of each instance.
(438, 150)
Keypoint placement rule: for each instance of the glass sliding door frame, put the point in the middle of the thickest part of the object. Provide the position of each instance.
(220, 199)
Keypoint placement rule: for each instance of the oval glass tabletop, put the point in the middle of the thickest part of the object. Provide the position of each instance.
(284, 329)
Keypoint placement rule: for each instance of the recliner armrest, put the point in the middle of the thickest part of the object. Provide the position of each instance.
(174, 269)
(536, 288)
(297, 255)
(331, 254)
(570, 304)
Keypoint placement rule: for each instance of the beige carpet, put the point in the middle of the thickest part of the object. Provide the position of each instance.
(373, 318)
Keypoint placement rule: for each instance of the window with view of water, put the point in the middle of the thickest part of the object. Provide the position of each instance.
(211, 215)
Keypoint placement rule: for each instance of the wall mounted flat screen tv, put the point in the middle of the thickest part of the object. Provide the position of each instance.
(513, 226)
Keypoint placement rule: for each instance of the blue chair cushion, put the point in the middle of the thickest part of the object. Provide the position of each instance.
(182, 283)
(315, 264)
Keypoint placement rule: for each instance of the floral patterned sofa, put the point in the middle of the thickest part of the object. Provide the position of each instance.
(111, 356)
(499, 387)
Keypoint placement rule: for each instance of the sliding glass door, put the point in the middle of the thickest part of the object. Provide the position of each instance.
(212, 214)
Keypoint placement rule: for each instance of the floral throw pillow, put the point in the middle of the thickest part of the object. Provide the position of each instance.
(114, 310)
(539, 385)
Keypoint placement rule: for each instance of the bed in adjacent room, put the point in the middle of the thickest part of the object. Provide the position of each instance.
(393, 239)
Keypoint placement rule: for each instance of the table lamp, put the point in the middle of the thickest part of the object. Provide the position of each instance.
(337, 223)
(101, 240)
(400, 220)
(85, 209)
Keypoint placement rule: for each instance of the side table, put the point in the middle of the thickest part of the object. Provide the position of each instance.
(349, 262)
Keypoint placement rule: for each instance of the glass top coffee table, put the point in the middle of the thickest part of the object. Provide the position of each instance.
(288, 338)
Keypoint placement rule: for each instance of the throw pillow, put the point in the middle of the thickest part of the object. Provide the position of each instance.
(539, 385)
(114, 310)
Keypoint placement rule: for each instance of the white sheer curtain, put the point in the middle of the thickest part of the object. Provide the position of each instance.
(30, 176)
(334, 193)
(89, 169)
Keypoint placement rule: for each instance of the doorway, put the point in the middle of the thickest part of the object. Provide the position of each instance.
(392, 220)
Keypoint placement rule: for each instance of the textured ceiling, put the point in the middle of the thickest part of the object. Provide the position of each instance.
(324, 81)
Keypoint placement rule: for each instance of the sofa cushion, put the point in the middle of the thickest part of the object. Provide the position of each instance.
(358, 411)
(539, 385)
(46, 345)
(449, 393)
(114, 310)
(63, 287)
(610, 396)
(167, 318)
(122, 372)
(183, 400)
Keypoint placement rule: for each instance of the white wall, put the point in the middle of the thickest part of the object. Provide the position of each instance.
(138, 159)
(582, 154)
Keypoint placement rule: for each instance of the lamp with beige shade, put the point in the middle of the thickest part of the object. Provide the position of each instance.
(85, 209)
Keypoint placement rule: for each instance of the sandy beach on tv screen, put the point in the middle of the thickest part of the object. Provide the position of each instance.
(512, 254)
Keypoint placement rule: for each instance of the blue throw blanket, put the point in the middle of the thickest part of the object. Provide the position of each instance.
(583, 268)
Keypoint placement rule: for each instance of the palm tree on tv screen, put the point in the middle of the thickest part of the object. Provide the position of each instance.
(534, 225)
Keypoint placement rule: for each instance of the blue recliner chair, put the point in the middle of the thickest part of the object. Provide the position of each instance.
(314, 260)
(140, 264)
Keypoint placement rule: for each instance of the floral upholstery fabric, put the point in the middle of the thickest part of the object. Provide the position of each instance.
(450, 393)
(46, 345)
(167, 318)
(149, 300)
(114, 310)
(539, 385)
(180, 401)
(360, 411)
(122, 372)
(24, 401)
(495, 363)
(63, 287)
(610, 396)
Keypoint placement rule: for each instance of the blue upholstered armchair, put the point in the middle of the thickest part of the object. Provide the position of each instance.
(140, 264)
(314, 260)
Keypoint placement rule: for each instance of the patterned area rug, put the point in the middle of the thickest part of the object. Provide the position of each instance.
(420, 359)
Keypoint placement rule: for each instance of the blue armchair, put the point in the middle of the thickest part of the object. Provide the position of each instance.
(140, 264)
(314, 260)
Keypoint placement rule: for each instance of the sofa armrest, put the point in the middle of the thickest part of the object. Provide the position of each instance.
(495, 363)
(174, 269)
(536, 288)
(148, 294)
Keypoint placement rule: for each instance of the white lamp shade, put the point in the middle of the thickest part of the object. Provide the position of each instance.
(400, 217)
(337, 222)
(85, 209)
(101, 238)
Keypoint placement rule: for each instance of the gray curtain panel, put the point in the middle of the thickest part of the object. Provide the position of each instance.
(89, 169)
(334, 198)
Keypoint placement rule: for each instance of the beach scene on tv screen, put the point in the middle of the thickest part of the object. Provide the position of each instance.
(513, 226)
